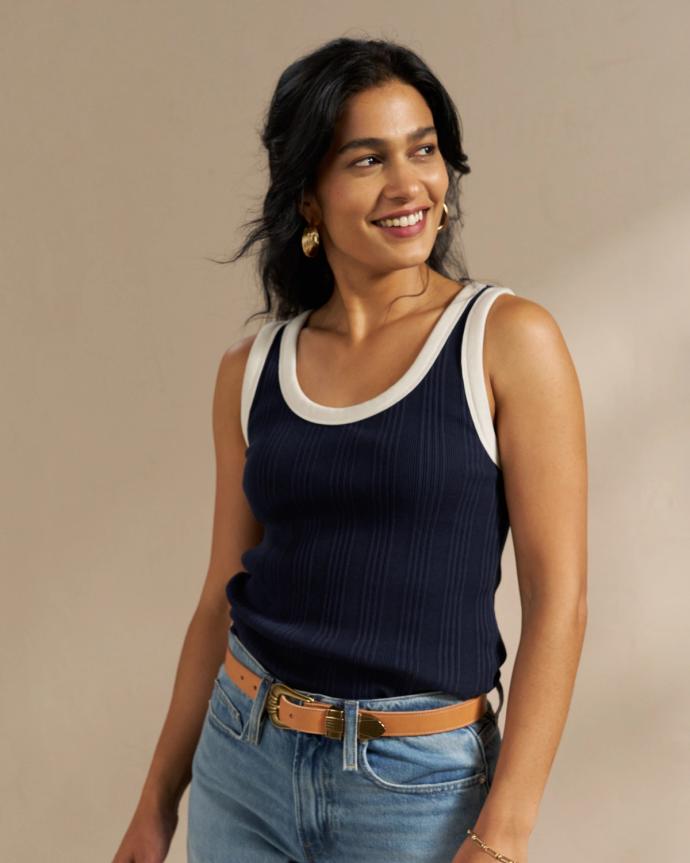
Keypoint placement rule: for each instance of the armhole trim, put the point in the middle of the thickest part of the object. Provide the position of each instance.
(253, 368)
(472, 366)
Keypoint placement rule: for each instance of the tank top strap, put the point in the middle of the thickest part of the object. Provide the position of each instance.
(472, 365)
(253, 368)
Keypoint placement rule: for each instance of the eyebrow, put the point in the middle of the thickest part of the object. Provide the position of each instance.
(356, 143)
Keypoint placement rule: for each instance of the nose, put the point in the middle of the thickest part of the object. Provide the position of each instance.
(401, 179)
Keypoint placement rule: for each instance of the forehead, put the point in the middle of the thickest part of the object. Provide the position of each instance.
(390, 111)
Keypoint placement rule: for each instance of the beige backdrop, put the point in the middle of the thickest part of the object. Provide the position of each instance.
(129, 155)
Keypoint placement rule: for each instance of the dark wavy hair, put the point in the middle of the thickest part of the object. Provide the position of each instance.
(297, 132)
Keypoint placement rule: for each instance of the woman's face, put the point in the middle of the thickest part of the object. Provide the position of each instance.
(359, 182)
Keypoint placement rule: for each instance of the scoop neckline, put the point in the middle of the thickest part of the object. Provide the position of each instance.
(298, 401)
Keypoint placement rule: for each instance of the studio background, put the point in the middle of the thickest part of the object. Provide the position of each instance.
(129, 157)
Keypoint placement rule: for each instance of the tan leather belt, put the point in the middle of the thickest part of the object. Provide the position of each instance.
(318, 717)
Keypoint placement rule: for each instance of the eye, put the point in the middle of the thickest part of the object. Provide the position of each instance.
(431, 147)
(359, 163)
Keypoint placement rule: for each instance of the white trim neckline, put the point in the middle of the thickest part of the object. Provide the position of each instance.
(303, 406)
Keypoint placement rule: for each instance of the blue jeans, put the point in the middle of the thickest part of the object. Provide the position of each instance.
(263, 794)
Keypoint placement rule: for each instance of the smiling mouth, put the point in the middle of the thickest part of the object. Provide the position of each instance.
(403, 221)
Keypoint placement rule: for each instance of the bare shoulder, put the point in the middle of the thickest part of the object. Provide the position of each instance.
(523, 344)
(228, 390)
(539, 417)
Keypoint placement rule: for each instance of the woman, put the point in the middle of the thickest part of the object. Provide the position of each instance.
(374, 443)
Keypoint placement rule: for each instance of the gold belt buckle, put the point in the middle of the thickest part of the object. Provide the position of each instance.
(367, 726)
(273, 699)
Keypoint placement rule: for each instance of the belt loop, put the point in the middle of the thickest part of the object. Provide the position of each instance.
(251, 732)
(350, 734)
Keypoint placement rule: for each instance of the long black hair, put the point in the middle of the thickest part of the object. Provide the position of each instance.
(297, 133)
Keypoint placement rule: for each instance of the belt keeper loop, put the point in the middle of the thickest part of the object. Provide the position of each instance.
(252, 731)
(350, 741)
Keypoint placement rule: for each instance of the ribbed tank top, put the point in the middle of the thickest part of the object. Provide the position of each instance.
(384, 522)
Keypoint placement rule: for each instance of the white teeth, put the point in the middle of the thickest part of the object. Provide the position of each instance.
(401, 222)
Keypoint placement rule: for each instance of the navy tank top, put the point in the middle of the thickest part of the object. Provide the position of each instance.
(384, 522)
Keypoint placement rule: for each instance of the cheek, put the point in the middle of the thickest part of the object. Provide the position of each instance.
(348, 212)
(437, 180)
(351, 200)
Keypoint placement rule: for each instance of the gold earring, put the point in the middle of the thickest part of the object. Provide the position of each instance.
(310, 241)
(444, 218)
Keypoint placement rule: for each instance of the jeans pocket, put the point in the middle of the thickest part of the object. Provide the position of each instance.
(228, 706)
(427, 763)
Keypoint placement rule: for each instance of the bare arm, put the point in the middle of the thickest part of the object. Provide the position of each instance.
(542, 443)
(234, 530)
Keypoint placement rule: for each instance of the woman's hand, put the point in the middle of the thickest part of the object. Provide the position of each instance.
(148, 836)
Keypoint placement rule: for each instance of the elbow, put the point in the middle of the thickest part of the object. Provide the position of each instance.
(566, 607)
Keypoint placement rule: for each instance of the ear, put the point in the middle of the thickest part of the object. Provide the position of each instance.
(308, 208)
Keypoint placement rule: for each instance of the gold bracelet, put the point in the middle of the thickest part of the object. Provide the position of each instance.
(495, 854)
